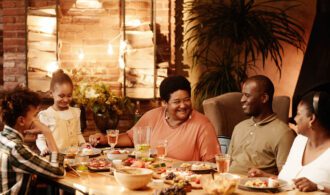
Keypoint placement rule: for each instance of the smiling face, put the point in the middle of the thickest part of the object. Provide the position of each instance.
(252, 98)
(303, 118)
(179, 106)
(62, 95)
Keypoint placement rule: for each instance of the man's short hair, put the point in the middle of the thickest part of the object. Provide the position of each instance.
(265, 84)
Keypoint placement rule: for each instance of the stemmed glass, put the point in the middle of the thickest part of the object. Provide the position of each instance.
(112, 136)
(161, 149)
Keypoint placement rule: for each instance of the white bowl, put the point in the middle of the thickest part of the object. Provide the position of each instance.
(133, 178)
(117, 156)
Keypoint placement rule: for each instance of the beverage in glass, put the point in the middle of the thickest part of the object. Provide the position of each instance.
(141, 139)
(82, 161)
(161, 149)
(112, 136)
(223, 162)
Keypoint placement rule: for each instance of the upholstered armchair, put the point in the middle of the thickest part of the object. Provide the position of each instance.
(225, 111)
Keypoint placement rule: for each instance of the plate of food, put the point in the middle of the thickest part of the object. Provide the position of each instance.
(174, 176)
(196, 166)
(99, 164)
(261, 183)
(89, 150)
(117, 154)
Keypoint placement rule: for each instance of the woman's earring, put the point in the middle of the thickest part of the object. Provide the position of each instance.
(166, 115)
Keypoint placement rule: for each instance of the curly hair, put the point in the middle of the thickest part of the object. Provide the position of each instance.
(171, 84)
(17, 102)
(59, 77)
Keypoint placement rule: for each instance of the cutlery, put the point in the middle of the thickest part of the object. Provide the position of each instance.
(74, 171)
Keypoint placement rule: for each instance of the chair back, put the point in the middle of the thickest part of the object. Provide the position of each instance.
(225, 111)
(224, 142)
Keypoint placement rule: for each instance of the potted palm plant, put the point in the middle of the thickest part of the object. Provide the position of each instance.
(229, 37)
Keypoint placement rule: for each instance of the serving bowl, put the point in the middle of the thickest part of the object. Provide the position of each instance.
(121, 155)
(133, 178)
(222, 184)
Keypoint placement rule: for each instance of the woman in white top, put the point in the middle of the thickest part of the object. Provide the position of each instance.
(307, 165)
(63, 120)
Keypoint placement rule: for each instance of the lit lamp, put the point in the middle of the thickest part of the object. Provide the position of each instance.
(110, 49)
(81, 54)
(52, 67)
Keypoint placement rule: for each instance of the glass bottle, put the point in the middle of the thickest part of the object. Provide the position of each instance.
(137, 113)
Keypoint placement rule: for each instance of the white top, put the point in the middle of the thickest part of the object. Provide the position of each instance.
(65, 127)
(317, 171)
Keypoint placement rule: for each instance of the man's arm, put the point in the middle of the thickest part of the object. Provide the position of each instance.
(27, 161)
(37, 128)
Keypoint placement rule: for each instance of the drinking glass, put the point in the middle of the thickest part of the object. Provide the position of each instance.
(82, 161)
(223, 162)
(112, 136)
(162, 149)
(141, 139)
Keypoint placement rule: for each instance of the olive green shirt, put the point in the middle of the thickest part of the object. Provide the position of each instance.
(264, 145)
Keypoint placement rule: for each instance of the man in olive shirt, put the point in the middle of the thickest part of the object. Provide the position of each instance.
(263, 141)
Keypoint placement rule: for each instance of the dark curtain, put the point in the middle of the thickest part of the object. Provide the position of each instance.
(315, 70)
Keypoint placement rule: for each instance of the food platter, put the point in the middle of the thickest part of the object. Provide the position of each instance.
(92, 153)
(99, 165)
(261, 184)
(171, 176)
(196, 166)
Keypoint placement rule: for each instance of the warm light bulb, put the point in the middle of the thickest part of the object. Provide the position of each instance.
(110, 49)
(121, 62)
(52, 67)
(81, 54)
(47, 25)
(134, 23)
(122, 46)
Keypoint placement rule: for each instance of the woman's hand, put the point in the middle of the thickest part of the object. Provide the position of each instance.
(305, 185)
(97, 138)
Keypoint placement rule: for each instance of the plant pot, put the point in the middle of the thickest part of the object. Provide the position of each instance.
(104, 121)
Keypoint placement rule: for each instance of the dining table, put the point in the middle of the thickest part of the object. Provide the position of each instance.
(88, 182)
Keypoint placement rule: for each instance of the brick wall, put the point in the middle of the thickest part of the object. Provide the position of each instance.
(1, 44)
(87, 27)
(84, 25)
(14, 60)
